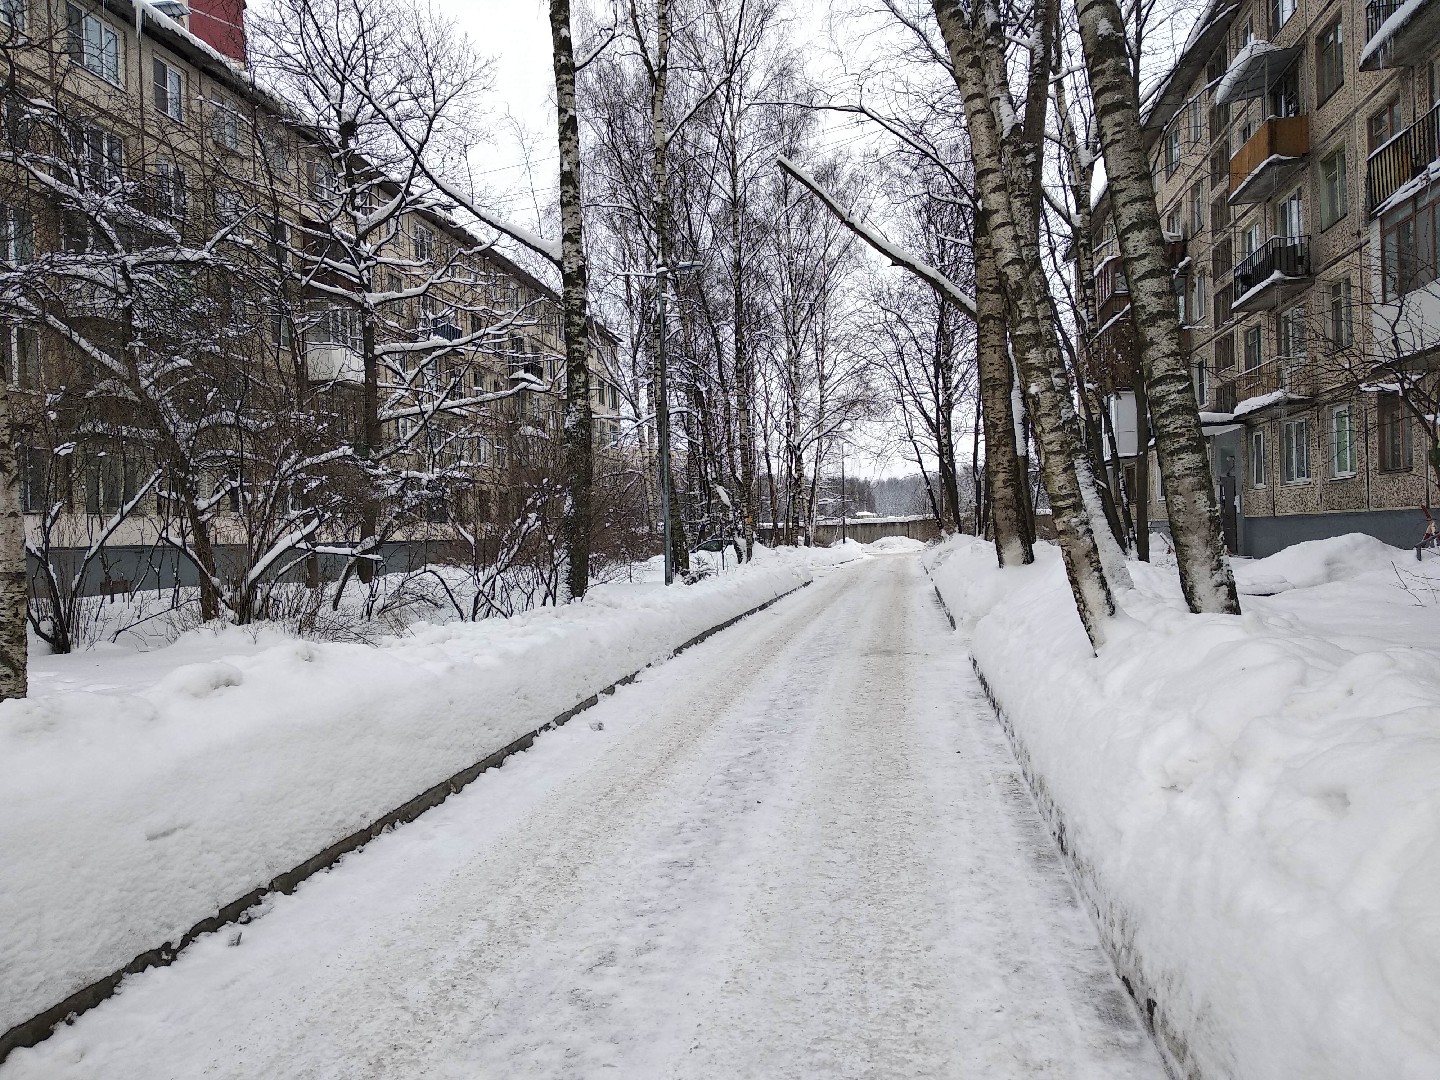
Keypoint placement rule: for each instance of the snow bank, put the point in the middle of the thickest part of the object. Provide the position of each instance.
(138, 794)
(894, 545)
(1253, 803)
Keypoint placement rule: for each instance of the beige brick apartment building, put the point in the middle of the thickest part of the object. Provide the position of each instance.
(1295, 147)
(155, 101)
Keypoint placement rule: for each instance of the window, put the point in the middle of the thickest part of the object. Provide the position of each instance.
(12, 16)
(228, 210)
(1257, 459)
(1250, 240)
(226, 119)
(1174, 223)
(1195, 121)
(1199, 298)
(112, 478)
(324, 189)
(1342, 327)
(1197, 208)
(1383, 125)
(1290, 217)
(1334, 184)
(424, 244)
(1254, 347)
(169, 191)
(1329, 61)
(34, 466)
(1224, 352)
(1220, 168)
(1408, 245)
(93, 44)
(280, 331)
(1201, 379)
(1284, 95)
(1342, 443)
(1290, 332)
(1172, 150)
(1280, 12)
(279, 242)
(100, 156)
(17, 235)
(1394, 425)
(169, 86)
(1179, 286)
(21, 347)
(1295, 451)
(337, 326)
(277, 154)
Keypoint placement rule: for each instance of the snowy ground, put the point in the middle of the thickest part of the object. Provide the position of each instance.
(1257, 799)
(799, 850)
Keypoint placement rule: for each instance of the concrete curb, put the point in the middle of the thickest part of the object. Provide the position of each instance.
(39, 1027)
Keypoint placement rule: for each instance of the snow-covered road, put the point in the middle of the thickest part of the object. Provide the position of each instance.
(801, 849)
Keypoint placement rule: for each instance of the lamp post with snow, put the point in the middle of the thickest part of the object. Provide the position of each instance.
(662, 407)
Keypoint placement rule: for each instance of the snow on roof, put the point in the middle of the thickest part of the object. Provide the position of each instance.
(1253, 174)
(1403, 14)
(1258, 287)
(1264, 401)
(1237, 82)
(1411, 188)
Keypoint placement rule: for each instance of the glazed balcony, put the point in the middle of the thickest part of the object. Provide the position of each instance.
(1271, 157)
(1408, 156)
(1276, 271)
(1399, 33)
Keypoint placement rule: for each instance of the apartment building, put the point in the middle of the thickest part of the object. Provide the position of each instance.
(1294, 146)
(167, 136)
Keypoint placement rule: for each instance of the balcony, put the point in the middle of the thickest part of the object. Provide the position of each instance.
(328, 362)
(1406, 157)
(1398, 33)
(1284, 378)
(1270, 157)
(1254, 69)
(1277, 271)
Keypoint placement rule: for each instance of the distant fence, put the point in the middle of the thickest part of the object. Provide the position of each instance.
(862, 530)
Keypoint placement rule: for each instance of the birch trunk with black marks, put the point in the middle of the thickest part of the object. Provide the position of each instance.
(1036, 350)
(579, 463)
(1190, 501)
(1003, 474)
(14, 596)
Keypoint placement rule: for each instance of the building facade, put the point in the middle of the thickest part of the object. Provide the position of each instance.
(136, 147)
(1294, 148)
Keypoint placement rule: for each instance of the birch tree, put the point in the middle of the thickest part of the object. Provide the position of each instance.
(1194, 512)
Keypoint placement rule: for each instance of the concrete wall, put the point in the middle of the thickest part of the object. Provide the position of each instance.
(1266, 535)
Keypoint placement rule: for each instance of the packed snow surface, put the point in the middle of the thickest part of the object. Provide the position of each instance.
(891, 545)
(139, 793)
(1258, 797)
(799, 850)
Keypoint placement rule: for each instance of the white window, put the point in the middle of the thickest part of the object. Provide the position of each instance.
(169, 88)
(1295, 451)
(424, 244)
(1342, 326)
(1254, 347)
(226, 120)
(93, 44)
(1195, 121)
(1290, 332)
(101, 156)
(324, 188)
(1342, 442)
(1290, 217)
(1257, 459)
(12, 16)
(277, 154)
(1250, 240)
(482, 451)
(169, 190)
(1334, 195)
(17, 235)
(1199, 297)
(228, 209)
(337, 326)
(1201, 378)
(21, 349)
(1280, 12)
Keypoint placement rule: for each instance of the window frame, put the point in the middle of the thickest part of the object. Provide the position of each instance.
(1329, 60)
(172, 88)
(1258, 471)
(1342, 314)
(1347, 469)
(91, 42)
(1295, 451)
(1334, 188)
(1399, 422)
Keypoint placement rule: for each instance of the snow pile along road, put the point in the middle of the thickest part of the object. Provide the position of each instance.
(134, 808)
(1255, 801)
